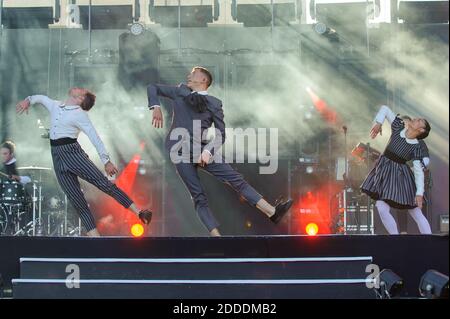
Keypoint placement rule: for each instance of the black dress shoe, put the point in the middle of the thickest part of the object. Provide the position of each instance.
(145, 216)
(279, 200)
(280, 210)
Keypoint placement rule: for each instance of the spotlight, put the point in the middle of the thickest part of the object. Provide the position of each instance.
(322, 29)
(309, 169)
(137, 28)
(137, 230)
(433, 285)
(307, 111)
(312, 229)
(390, 284)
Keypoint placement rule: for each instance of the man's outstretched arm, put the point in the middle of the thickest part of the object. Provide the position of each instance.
(154, 91)
(85, 125)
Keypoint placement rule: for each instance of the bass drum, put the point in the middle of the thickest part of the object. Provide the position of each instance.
(12, 192)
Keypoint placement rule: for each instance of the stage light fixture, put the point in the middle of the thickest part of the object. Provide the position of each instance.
(307, 111)
(137, 230)
(137, 28)
(308, 115)
(309, 169)
(390, 284)
(322, 29)
(312, 229)
(434, 285)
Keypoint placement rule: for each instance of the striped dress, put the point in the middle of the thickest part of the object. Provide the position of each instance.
(392, 180)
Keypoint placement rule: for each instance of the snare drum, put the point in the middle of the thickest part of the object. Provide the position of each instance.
(12, 192)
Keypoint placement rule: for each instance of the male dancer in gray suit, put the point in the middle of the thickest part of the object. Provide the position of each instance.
(192, 105)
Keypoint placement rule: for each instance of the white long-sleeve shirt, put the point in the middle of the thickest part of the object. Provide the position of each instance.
(68, 121)
(419, 177)
(22, 179)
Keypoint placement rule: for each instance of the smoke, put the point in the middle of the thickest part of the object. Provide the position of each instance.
(419, 69)
(262, 82)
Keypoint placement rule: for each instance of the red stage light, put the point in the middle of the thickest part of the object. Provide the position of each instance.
(312, 229)
(327, 113)
(137, 230)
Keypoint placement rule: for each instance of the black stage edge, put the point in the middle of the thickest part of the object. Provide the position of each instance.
(410, 256)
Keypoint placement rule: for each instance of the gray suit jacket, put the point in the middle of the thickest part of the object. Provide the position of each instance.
(184, 115)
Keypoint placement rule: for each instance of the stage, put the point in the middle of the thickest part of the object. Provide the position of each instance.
(231, 267)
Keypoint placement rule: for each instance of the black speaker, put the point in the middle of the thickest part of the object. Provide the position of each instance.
(443, 223)
(189, 16)
(106, 17)
(419, 12)
(27, 18)
(260, 15)
(347, 19)
(138, 59)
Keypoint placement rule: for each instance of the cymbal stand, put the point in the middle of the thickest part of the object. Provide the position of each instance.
(37, 210)
(34, 199)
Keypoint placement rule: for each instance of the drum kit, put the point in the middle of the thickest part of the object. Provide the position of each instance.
(34, 209)
(355, 208)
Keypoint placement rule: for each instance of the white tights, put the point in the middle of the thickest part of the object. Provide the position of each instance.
(389, 221)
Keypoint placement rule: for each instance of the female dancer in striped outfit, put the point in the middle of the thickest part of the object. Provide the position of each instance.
(391, 183)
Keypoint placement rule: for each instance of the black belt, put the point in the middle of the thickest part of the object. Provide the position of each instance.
(394, 157)
(63, 141)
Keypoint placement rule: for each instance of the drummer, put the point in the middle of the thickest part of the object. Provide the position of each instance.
(7, 150)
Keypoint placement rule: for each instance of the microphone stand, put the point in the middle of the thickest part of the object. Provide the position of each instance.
(345, 179)
(370, 226)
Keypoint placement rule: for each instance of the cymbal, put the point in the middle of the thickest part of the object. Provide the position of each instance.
(35, 168)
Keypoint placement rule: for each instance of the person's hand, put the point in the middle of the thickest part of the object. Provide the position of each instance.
(23, 106)
(15, 178)
(204, 158)
(376, 128)
(157, 120)
(419, 201)
(110, 169)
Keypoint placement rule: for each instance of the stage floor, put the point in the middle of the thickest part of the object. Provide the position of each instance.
(410, 256)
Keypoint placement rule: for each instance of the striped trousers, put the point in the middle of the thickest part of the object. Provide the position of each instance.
(71, 162)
